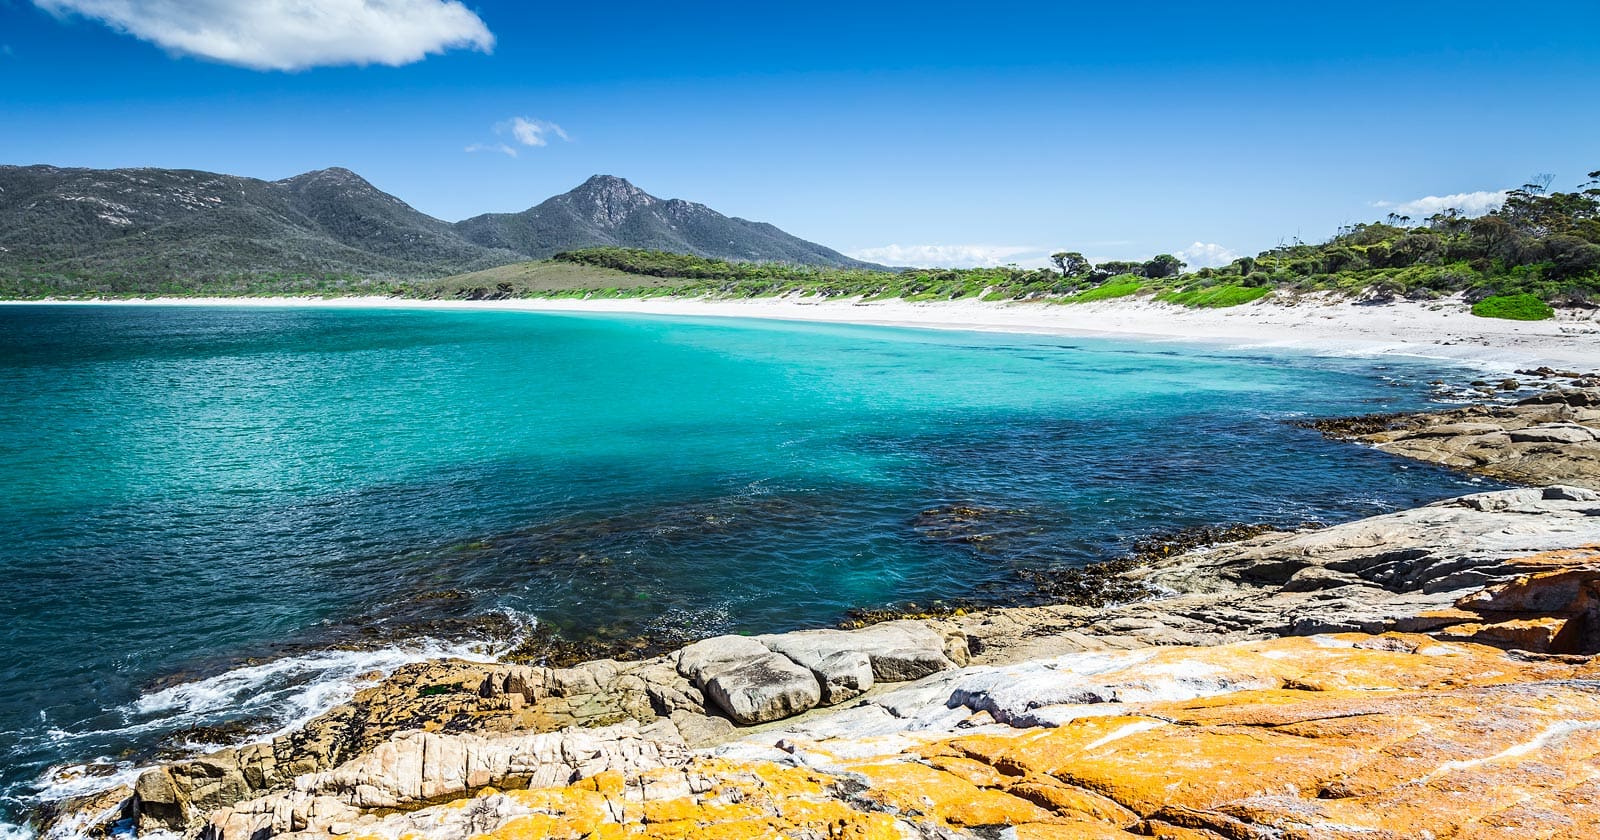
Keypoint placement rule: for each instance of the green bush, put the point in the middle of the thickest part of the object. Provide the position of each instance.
(1215, 297)
(1523, 307)
(1119, 286)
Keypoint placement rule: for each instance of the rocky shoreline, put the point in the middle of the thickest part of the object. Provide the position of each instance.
(1346, 681)
(1551, 437)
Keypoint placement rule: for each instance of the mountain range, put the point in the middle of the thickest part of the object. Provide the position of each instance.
(158, 224)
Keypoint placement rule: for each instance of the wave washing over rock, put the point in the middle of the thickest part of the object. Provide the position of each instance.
(283, 695)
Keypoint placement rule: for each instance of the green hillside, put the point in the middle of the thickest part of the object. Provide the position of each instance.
(86, 232)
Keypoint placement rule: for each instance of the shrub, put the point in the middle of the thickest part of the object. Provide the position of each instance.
(1116, 287)
(1523, 307)
(1215, 297)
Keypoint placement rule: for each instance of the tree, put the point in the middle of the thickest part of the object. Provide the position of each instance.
(1570, 256)
(1114, 268)
(1070, 263)
(1414, 248)
(1162, 265)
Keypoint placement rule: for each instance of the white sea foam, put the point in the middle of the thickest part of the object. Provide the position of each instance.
(289, 692)
(69, 781)
(292, 690)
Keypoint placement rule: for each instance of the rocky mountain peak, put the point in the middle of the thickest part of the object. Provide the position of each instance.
(607, 200)
(333, 176)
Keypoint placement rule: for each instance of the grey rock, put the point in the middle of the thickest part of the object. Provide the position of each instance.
(1314, 578)
(747, 681)
(699, 729)
(1567, 396)
(771, 688)
(1459, 429)
(416, 767)
(1555, 433)
(896, 650)
(1570, 494)
(716, 654)
(842, 670)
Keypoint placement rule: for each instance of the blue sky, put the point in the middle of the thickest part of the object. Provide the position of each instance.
(956, 132)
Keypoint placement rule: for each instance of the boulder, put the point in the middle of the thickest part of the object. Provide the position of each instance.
(841, 670)
(747, 680)
(902, 650)
(156, 800)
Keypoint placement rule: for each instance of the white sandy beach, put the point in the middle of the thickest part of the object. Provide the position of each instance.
(1436, 329)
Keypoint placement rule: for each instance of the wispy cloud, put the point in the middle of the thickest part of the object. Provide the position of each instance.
(521, 131)
(531, 132)
(953, 256)
(1469, 203)
(291, 34)
(492, 147)
(1207, 255)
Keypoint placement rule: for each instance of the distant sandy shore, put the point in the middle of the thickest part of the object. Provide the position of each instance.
(1436, 329)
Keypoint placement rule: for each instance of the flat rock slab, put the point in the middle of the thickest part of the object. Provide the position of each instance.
(749, 682)
(1555, 433)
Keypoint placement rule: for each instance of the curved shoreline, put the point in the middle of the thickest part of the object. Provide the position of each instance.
(1024, 635)
(1503, 570)
(1443, 329)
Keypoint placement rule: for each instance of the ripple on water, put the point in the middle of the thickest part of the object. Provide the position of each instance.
(274, 503)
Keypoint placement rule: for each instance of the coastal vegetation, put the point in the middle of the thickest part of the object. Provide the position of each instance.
(1539, 243)
(1519, 307)
(1539, 250)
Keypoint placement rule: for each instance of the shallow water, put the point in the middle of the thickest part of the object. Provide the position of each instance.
(182, 488)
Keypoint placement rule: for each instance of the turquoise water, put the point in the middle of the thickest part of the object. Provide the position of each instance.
(182, 488)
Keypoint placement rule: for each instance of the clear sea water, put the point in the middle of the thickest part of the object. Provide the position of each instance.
(223, 493)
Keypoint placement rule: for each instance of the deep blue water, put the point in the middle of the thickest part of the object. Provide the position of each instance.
(184, 487)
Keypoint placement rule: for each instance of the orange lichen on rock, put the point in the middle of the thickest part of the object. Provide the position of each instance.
(1554, 610)
(1475, 742)
(735, 801)
(1391, 737)
(1583, 555)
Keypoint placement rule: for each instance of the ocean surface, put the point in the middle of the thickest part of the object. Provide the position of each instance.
(226, 514)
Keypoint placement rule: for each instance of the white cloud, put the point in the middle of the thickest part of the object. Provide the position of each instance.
(953, 256)
(523, 131)
(1469, 203)
(531, 132)
(492, 147)
(292, 34)
(1207, 255)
